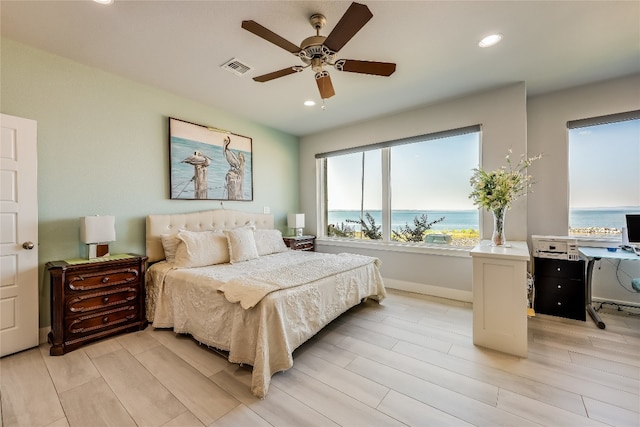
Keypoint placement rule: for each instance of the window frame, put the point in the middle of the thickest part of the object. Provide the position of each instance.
(601, 241)
(386, 243)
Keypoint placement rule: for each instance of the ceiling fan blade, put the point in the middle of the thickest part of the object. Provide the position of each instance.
(324, 85)
(351, 22)
(270, 36)
(276, 74)
(366, 67)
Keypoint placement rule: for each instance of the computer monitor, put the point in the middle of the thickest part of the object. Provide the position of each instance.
(633, 229)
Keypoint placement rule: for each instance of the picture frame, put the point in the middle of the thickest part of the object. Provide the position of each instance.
(207, 163)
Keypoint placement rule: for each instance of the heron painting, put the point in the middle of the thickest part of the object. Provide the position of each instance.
(208, 163)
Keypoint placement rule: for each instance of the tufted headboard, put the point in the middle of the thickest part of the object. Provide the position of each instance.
(219, 219)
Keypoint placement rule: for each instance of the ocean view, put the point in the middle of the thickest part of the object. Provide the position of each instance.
(601, 217)
(469, 219)
(454, 220)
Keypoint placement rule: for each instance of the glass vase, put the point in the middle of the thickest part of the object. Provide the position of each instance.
(498, 238)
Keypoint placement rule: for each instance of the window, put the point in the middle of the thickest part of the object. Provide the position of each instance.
(604, 174)
(414, 190)
(356, 194)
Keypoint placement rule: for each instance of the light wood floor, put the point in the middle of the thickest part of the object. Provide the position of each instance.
(407, 361)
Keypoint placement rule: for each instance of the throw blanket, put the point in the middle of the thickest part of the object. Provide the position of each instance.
(249, 290)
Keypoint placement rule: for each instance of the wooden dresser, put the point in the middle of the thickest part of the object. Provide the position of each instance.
(93, 300)
(300, 243)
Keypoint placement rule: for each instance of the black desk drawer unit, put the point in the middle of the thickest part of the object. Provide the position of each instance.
(560, 288)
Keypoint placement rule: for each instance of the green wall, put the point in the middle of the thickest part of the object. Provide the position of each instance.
(103, 149)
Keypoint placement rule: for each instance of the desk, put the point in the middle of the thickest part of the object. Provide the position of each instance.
(595, 254)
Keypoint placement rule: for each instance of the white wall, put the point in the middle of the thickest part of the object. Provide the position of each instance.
(547, 117)
(103, 148)
(508, 119)
(502, 114)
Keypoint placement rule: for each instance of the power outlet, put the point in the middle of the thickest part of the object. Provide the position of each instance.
(266, 210)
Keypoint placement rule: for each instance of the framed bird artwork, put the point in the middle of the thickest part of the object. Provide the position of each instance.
(207, 163)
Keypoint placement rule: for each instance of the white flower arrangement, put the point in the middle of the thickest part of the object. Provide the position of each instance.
(498, 189)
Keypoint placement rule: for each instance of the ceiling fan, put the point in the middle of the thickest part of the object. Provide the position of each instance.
(320, 51)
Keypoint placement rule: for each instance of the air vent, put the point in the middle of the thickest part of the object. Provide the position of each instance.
(236, 67)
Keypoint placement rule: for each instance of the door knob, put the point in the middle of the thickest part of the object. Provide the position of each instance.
(28, 245)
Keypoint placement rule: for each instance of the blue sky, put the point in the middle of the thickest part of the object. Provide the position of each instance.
(604, 165)
(433, 175)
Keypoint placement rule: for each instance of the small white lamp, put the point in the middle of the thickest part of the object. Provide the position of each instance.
(96, 231)
(296, 221)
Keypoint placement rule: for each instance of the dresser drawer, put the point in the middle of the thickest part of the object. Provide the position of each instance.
(304, 243)
(559, 268)
(110, 298)
(560, 297)
(97, 279)
(95, 299)
(95, 322)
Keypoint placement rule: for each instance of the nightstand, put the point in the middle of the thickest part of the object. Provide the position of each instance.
(300, 243)
(93, 299)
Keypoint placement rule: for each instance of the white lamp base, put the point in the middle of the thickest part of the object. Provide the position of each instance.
(299, 232)
(98, 250)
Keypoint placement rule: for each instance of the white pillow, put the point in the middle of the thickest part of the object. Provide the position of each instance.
(170, 243)
(242, 244)
(200, 248)
(269, 242)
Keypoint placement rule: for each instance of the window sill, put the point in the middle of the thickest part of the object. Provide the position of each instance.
(453, 251)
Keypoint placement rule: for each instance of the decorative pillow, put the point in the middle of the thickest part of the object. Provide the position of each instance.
(200, 248)
(242, 244)
(170, 243)
(269, 242)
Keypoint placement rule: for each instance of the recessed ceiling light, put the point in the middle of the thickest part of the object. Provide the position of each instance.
(103, 1)
(490, 40)
(309, 103)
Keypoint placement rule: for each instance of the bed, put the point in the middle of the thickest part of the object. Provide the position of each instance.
(226, 278)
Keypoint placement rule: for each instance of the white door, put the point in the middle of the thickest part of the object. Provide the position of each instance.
(18, 235)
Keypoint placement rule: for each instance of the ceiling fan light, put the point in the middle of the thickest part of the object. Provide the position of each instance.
(103, 1)
(309, 103)
(490, 40)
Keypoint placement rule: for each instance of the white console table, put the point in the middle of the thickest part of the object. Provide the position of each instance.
(500, 296)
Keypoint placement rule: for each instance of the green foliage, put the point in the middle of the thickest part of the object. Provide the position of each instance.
(499, 188)
(371, 230)
(408, 233)
(341, 230)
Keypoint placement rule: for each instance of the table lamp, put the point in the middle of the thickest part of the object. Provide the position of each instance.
(296, 221)
(96, 231)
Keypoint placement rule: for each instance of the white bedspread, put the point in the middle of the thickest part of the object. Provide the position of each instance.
(249, 289)
(265, 335)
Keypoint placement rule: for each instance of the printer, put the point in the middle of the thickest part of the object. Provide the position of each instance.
(555, 247)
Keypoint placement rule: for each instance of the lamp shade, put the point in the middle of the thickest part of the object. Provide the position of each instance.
(97, 229)
(295, 220)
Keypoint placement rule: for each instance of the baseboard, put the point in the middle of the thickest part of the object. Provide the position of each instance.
(436, 291)
(43, 334)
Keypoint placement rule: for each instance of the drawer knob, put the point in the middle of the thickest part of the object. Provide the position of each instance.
(105, 319)
(105, 300)
(559, 286)
(559, 303)
(558, 269)
(105, 279)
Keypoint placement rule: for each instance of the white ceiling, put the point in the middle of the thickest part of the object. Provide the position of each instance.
(179, 46)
